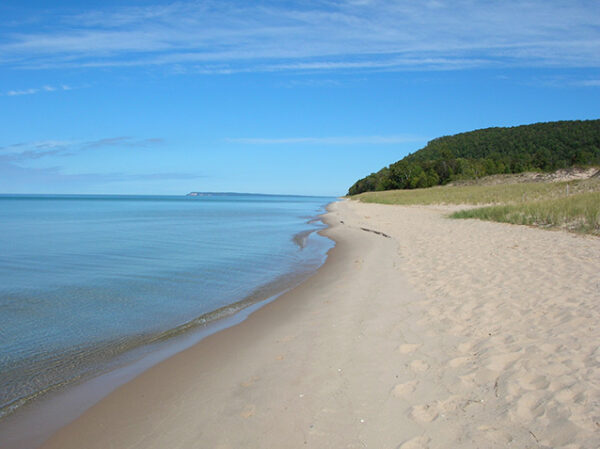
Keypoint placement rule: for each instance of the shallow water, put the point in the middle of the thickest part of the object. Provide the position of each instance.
(86, 278)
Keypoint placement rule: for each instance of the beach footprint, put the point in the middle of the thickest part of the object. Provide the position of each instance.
(496, 434)
(421, 442)
(466, 347)
(532, 381)
(419, 366)
(458, 361)
(286, 339)
(408, 348)
(248, 383)
(424, 413)
(248, 411)
(529, 406)
(402, 390)
(502, 362)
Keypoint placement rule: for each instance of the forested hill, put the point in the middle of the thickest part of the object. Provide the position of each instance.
(541, 146)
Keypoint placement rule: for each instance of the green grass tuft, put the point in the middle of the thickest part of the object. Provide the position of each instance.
(482, 194)
(573, 205)
(578, 213)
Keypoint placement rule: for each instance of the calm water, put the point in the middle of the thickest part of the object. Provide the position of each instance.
(87, 278)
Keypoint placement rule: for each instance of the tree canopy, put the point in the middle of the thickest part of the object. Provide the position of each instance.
(541, 146)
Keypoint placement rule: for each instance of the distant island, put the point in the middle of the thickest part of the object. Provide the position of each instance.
(246, 194)
(218, 194)
(538, 147)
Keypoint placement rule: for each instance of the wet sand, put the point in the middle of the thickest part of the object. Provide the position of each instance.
(428, 333)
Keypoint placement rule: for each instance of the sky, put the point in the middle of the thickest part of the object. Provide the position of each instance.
(289, 97)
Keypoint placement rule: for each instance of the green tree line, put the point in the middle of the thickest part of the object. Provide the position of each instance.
(538, 147)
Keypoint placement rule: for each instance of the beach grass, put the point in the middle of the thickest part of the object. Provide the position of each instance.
(572, 205)
(516, 193)
(579, 213)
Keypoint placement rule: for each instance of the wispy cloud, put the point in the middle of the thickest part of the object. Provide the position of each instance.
(18, 171)
(589, 83)
(337, 140)
(220, 37)
(24, 151)
(35, 90)
(313, 82)
(122, 141)
(57, 177)
(563, 81)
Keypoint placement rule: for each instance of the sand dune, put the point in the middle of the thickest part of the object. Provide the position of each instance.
(515, 311)
(431, 333)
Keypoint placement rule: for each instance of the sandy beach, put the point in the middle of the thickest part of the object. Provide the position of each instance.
(428, 333)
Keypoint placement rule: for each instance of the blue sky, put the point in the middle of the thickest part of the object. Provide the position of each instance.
(273, 96)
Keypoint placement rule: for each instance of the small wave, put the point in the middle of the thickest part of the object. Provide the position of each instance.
(80, 365)
(301, 238)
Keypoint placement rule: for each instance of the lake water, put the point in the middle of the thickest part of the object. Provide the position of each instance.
(85, 279)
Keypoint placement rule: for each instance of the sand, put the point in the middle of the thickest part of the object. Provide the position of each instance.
(431, 333)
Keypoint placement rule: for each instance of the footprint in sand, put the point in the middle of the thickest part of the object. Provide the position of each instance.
(581, 417)
(465, 347)
(451, 404)
(223, 446)
(533, 382)
(419, 366)
(408, 348)
(424, 413)
(286, 339)
(402, 390)
(248, 411)
(502, 362)
(249, 382)
(458, 361)
(416, 443)
(496, 435)
(530, 406)
(564, 395)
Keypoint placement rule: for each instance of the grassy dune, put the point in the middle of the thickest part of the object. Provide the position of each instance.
(579, 213)
(573, 205)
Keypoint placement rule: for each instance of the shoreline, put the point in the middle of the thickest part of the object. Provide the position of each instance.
(263, 315)
(74, 399)
(36, 420)
(455, 333)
